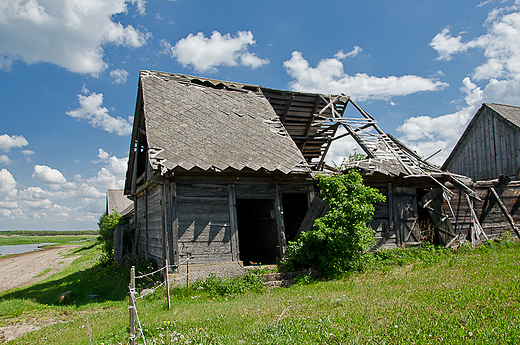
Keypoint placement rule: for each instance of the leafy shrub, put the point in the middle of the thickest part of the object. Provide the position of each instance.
(341, 239)
(216, 286)
(107, 224)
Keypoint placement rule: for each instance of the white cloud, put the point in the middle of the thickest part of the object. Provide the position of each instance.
(205, 54)
(500, 74)
(7, 183)
(500, 45)
(119, 76)
(354, 52)
(47, 175)
(5, 160)
(447, 45)
(91, 109)
(27, 154)
(426, 134)
(57, 200)
(329, 78)
(8, 142)
(68, 33)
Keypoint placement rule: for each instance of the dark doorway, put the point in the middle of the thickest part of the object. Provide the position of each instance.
(257, 231)
(294, 209)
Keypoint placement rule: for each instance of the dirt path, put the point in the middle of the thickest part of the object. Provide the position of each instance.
(26, 269)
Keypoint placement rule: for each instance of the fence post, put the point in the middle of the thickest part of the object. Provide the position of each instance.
(188, 272)
(131, 307)
(167, 282)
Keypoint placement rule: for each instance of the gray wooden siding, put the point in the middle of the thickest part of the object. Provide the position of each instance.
(384, 233)
(488, 211)
(204, 226)
(155, 224)
(491, 147)
(150, 224)
(141, 226)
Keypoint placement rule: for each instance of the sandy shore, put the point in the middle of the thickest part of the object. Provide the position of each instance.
(25, 269)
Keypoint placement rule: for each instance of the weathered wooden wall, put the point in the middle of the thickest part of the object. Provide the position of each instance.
(204, 223)
(149, 225)
(488, 211)
(382, 221)
(489, 147)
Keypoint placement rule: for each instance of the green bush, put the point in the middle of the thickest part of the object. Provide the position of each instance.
(107, 224)
(341, 239)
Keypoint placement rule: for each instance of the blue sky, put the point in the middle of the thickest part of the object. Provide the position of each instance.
(69, 72)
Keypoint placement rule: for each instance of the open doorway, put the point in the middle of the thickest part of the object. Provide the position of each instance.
(257, 231)
(295, 207)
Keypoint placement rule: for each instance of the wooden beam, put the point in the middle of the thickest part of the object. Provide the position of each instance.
(278, 210)
(284, 116)
(505, 211)
(234, 223)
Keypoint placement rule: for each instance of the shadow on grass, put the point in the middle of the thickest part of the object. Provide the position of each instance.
(96, 284)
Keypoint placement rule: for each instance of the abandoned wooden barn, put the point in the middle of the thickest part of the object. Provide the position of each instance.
(213, 172)
(490, 145)
(225, 172)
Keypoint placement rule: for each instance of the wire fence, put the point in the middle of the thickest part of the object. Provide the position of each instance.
(135, 296)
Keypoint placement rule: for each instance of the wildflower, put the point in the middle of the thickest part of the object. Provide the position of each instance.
(395, 326)
(470, 334)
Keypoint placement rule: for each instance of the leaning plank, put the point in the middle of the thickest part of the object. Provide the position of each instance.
(479, 229)
(317, 209)
(505, 211)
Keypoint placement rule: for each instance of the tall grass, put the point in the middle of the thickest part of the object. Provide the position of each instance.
(412, 297)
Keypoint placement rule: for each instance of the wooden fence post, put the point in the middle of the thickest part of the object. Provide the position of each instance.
(188, 272)
(167, 282)
(131, 307)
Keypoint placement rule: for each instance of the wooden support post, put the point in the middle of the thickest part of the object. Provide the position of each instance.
(131, 306)
(167, 282)
(505, 211)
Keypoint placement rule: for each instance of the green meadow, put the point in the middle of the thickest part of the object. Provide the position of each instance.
(413, 296)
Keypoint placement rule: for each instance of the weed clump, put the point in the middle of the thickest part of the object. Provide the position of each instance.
(220, 287)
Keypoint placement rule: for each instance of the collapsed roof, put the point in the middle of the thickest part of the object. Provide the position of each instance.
(186, 122)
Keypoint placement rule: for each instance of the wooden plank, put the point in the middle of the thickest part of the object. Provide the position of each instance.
(505, 211)
(175, 224)
(208, 232)
(316, 209)
(278, 208)
(235, 252)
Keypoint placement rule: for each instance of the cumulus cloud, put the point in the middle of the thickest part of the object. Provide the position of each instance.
(500, 45)
(47, 175)
(7, 183)
(119, 76)
(5, 160)
(8, 142)
(68, 33)
(499, 75)
(329, 77)
(206, 53)
(91, 109)
(426, 134)
(54, 199)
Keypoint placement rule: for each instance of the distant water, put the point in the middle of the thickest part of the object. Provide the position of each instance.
(22, 248)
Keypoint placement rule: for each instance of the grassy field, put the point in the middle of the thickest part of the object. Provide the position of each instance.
(429, 296)
(30, 237)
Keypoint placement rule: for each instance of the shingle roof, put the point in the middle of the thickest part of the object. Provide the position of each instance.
(213, 125)
(509, 112)
(117, 201)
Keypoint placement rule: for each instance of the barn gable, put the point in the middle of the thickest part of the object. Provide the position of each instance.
(490, 145)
